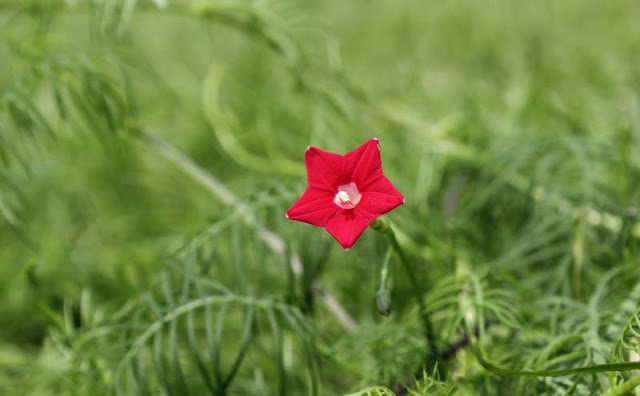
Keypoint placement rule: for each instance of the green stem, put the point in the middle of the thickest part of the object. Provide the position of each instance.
(598, 368)
(385, 227)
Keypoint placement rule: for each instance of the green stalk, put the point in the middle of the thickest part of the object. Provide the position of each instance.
(385, 227)
(598, 368)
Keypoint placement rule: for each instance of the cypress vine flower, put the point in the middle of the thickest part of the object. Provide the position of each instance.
(345, 192)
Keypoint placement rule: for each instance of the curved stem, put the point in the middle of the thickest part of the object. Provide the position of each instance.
(598, 368)
(385, 227)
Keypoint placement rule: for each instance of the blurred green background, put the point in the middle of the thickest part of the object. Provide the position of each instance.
(512, 128)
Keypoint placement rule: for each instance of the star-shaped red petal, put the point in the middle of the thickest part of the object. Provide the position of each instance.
(345, 192)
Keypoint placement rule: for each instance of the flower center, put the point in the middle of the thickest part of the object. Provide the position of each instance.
(347, 196)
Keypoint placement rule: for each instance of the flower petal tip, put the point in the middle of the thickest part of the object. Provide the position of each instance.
(286, 215)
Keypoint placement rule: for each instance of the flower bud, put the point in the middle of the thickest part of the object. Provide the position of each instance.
(383, 300)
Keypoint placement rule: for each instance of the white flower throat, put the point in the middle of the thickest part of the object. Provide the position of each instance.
(348, 196)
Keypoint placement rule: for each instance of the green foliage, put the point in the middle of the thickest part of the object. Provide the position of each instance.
(374, 391)
(148, 151)
(431, 385)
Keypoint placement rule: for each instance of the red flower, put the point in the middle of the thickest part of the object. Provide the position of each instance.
(345, 192)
